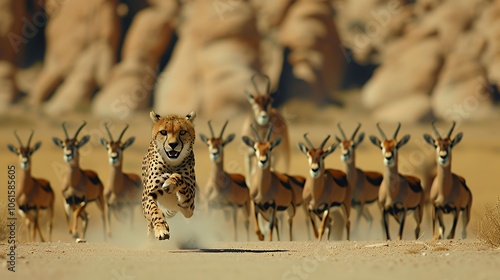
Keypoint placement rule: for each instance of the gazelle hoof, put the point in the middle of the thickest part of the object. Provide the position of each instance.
(260, 236)
(75, 235)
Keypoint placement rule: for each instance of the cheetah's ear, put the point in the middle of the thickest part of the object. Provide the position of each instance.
(191, 116)
(154, 116)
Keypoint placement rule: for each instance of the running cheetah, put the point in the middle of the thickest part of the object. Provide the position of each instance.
(168, 174)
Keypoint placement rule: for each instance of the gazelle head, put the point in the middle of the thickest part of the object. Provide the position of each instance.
(262, 148)
(216, 144)
(24, 152)
(389, 147)
(69, 145)
(347, 146)
(261, 103)
(443, 145)
(316, 156)
(115, 148)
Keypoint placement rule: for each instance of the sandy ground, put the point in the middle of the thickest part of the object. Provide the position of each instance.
(129, 255)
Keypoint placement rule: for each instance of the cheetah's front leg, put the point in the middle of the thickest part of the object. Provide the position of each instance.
(156, 220)
(176, 184)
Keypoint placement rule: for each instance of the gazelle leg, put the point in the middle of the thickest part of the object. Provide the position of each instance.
(402, 220)
(418, 219)
(246, 218)
(27, 223)
(103, 207)
(359, 214)
(439, 214)
(324, 220)
(257, 229)
(51, 219)
(347, 222)
(67, 212)
(76, 213)
(235, 224)
(386, 224)
(291, 214)
(465, 221)
(313, 223)
(456, 213)
(273, 223)
(37, 225)
(85, 222)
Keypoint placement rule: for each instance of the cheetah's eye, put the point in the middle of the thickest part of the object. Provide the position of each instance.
(183, 132)
(163, 132)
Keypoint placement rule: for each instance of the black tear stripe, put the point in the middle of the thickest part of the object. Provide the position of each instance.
(153, 195)
(160, 192)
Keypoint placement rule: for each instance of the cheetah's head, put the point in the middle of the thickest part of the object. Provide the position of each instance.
(174, 136)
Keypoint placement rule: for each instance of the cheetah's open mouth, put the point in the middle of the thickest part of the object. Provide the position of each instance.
(173, 154)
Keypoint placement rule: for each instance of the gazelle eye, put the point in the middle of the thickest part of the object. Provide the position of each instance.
(163, 132)
(183, 132)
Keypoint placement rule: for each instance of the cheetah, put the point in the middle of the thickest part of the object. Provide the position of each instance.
(168, 174)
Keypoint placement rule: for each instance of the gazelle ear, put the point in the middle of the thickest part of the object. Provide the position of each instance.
(457, 139)
(429, 140)
(250, 97)
(276, 142)
(228, 140)
(191, 116)
(154, 116)
(375, 141)
(249, 142)
(36, 147)
(12, 149)
(302, 148)
(103, 142)
(83, 141)
(360, 139)
(204, 138)
(128, 143)
(330, 150)
(403, 141)
(58, 142)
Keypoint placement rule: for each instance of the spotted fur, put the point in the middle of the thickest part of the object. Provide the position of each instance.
(168, 174)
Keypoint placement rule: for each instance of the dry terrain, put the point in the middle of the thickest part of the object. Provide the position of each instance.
(202, 247)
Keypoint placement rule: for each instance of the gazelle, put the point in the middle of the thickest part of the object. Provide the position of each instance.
(365, 184)
(263, 117)
(225, 189)
(449, 192)
(124, 189)
(325, 189)
(33, 194)
(398, 193)
(79, 187)
(271, 191)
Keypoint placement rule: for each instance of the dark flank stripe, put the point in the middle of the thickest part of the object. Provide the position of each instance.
(301, 183)
(414, 184)
(374, 178)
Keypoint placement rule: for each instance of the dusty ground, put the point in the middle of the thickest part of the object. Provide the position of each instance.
(130, 256)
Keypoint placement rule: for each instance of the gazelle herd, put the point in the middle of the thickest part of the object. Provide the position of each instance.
(265, 191)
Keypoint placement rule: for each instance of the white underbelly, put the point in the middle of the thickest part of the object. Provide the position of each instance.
(168, 202)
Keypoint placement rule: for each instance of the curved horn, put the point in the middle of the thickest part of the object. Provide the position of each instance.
(109, 132)
(223, 128)
(341, 131)
(324, 142)
(381, 131)
(255, 84)
(268, 84)
(256, 133)
(123, 132)
(18, 139)
(397, 130)
(436, 130)
(79, 129)
(211, 129)
(268, 133)
(29, 139)
(65, 131)
(451, 129)
(308, 141)
(355, 131)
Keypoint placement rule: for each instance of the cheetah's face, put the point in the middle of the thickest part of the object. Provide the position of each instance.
(174, 136)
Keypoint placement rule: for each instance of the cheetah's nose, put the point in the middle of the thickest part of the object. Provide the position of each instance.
(173, 145)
